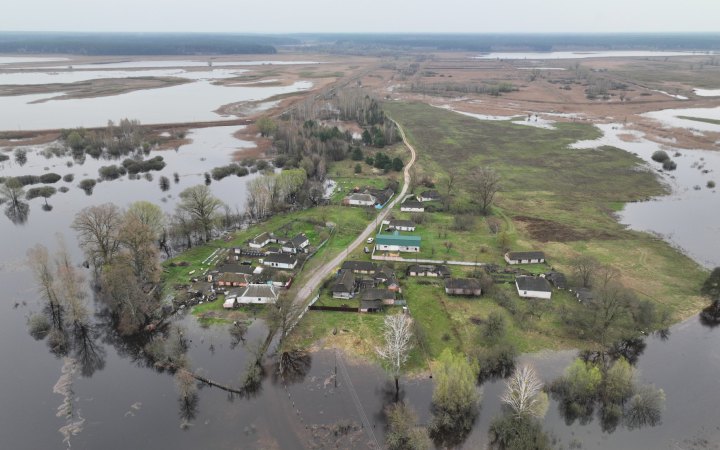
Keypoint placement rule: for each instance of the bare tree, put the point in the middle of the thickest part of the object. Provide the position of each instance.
(524, 394)
(202, 206)
(397, 345)
(139, 242)
(283, 314)
(39, 261)
(448, 184)
(97, 228)
(584, 267)
(483, 184)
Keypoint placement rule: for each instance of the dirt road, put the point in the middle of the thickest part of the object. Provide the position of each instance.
(312, 284)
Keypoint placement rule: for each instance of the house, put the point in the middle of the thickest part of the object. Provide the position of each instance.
(360, 200)
(363, 267)
(397, 243)
(584, 295)
(370, 305)
(429, 196)
(280, 261)
(401, 225)
(238, 268)
(557, 279)
(386, 296)
(428, 270)
(261, 240)
(258, 294)
(344, 286)
(381, 195)
(296, 244)
(412, 206)
(524, 257)
(462, 286)
(229, 279)
(252, 294)
(533, 287)
(385, 275)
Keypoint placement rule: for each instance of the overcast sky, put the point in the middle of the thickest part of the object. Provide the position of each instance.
(284, 16)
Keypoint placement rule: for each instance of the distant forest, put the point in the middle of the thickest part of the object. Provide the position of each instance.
(218, 43)
(140, 43)
(539, 42)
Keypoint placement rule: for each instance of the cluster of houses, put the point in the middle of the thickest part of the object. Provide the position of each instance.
(246, 283)
(369, 197)
(374, 285)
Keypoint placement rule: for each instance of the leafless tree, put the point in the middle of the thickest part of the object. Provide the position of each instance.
(483, 184)
(524, 394)
(202, 206)
(584, 268)
(39, 261)
(397, 330)
(283, 313)
(139, 241)
(448, 185)
(97, 228)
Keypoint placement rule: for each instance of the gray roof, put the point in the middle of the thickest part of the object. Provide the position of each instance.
(280, 258)
(584, 294)
(441, 270)
(235, 268)
(362, 197)
(557, 278)
(359, 265)
(378, 294)
(462, 283)
(370, 304)
(526, 255)
(345, 282)
(260, 238)
(432, 193)
(538, 284)
(412, 204)
(299, 240)
(401, 223)
(259, 290)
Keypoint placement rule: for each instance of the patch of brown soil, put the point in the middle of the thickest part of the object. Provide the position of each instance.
(20, 139)
(627, 137)
(548, 231)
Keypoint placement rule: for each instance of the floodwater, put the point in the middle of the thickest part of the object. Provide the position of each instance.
(688, 216)
(27, 59)
(178, 63)
(584, 54)
(24, 77)
(671, 118)
(707, 92)
(191, 102)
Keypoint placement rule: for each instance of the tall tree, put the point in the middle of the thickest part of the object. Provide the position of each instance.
(483, 184)
(139, 242)
(97, 228)
(283, 313)
(584, 268)
(12, 191)
(523, 393)
(202, 206)
(397, 331)
(455, 399)
(148, 214)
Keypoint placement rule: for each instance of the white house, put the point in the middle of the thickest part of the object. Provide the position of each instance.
(360, 200)
(280, 261)
(261, 240)
(412, 206)
(533, 287)
(253, 294)
(296, 244)
(525, 257)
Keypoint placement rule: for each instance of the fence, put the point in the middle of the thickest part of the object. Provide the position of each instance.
(333, 308)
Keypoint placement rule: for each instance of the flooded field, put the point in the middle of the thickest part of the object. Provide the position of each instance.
(584, 54)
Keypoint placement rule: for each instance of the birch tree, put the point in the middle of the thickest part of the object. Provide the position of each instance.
(397, 346)
(523, 393)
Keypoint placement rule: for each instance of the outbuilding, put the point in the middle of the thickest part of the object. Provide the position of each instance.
(462, 286)
(360, 200)
(363, 267)
(401, 225)
(261, 240)
(280, 261)
(429, 196)
(412, 206)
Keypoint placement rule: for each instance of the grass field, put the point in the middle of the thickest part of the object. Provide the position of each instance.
(701, 119)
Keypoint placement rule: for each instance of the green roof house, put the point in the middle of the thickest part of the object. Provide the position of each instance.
(397, 243)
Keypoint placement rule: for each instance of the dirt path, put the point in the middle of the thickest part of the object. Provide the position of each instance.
(312, 284)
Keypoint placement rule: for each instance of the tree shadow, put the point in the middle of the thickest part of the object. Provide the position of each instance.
(17, 212)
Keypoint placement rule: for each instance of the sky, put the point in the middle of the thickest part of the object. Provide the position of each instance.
(316, 16)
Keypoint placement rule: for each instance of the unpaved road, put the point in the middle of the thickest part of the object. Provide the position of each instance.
(320, 273)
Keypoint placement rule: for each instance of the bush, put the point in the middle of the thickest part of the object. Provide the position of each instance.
(50, 178)
(69, 178)
(135, 166)
(358, 168)
(63, 189)
(242, 171)
(669, 164)
(111, 172)
(45, 191)
(87, 185)
(262, 165)
(660, 156)
(710, 184)
(218, 173)
(26, 180)
(38, 326)
(497, 361)
(463, 222)
(494, 327)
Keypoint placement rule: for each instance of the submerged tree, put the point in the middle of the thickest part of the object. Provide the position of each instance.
(397, 331)
(97, 228)
(455, 399)
(523, 393)
(202, 206)
(403, 432)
